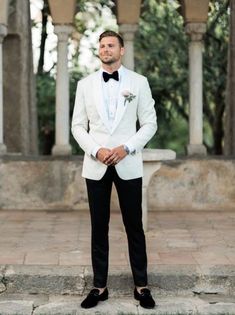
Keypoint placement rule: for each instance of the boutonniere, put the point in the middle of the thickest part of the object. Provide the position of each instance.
(128, 96)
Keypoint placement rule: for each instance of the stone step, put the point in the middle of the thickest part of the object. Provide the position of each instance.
(21, 304)
(165, 280)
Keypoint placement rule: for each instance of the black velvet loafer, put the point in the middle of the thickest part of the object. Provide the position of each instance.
(145, 298)
(94, 297)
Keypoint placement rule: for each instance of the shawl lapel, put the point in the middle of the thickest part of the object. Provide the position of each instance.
(99, 99)
(121, 108)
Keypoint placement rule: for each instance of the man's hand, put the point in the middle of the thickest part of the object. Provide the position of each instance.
(115, 155)
(103, 154)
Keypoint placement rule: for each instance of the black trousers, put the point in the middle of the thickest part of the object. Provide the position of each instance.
(130, 199)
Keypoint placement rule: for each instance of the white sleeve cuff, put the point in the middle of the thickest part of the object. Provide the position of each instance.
(94, 151)
(131, 149)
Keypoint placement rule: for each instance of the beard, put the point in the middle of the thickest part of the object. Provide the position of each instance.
(108, 61)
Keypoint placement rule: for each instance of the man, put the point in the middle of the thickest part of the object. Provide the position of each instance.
(107, 106)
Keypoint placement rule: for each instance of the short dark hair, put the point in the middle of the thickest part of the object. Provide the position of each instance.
(112, 34)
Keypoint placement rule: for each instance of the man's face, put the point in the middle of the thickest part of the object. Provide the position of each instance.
(110, 50)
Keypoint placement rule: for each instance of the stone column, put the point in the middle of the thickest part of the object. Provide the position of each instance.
(19, 92)
(128, 33)
(62, 146)
(3, 33)
(195, 146)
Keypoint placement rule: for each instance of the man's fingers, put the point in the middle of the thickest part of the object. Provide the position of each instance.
(111, 161)
(107, 158)
(114, 156)
(110, 157)
(103, 154)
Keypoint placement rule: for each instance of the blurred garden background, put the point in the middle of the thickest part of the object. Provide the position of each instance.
(161, 54)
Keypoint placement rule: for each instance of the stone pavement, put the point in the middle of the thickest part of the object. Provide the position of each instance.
(57, 305)
(45, 263)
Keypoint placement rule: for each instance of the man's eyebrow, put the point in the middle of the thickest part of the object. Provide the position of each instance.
(109, 44)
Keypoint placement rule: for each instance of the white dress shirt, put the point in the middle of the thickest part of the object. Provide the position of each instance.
(111, 92)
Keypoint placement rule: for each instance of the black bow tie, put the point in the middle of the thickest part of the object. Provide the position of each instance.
(108, 76)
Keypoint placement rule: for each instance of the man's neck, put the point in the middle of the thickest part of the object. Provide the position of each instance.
(111, 68)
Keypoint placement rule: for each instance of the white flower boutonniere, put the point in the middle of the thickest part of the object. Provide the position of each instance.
(128, 96)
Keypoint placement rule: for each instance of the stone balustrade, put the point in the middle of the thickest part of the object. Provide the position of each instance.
(152, 163)
(55, 183)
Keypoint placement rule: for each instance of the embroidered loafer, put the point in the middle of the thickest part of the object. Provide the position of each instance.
(145, 298)
(94, 297)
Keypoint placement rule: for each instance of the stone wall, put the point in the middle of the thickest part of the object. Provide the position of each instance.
(56, 183)
(207, 184)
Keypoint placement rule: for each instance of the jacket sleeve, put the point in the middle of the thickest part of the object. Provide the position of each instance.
(147, 118)
(80, 123)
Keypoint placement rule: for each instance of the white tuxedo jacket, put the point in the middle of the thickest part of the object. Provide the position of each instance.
(90, 126)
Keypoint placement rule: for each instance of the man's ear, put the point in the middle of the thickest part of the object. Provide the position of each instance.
(122, 51)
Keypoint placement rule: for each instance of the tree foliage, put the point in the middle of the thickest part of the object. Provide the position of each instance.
(162, 55)
(46, 112)
(215, 71)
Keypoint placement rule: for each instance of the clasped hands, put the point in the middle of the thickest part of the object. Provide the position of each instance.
(111, 156)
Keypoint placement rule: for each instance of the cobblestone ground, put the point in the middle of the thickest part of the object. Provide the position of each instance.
(63, 238)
